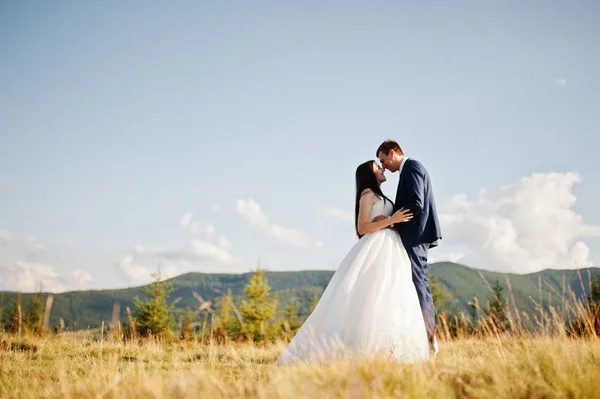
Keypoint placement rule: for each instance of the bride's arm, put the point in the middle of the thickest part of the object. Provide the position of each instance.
(366, 203)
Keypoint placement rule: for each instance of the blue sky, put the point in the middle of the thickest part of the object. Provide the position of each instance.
(207, 136)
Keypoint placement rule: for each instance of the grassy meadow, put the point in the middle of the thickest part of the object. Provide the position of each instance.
(76, 366)
(488, 354)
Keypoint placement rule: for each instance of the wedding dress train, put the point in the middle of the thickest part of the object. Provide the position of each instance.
(369, 308)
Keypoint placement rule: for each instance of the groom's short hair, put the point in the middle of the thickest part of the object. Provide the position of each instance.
(387, 146)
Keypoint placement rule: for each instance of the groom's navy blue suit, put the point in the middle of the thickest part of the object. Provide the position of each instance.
(420, 233)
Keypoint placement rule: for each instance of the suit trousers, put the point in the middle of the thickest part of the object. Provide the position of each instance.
(420, 275)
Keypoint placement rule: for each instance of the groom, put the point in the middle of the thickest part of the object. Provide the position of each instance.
(423, 231)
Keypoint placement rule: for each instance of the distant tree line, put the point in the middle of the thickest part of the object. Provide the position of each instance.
(251, 319)
(495, 316)
(25, 318)
(255, 317)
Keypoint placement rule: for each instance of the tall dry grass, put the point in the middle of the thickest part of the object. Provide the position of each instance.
(570, 315)
(82, 367)
(491, 358)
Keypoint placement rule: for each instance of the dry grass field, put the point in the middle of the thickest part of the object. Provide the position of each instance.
(494, 358)
(79, 367)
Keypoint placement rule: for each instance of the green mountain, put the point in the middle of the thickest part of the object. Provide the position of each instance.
(548, 287)
(87, 309)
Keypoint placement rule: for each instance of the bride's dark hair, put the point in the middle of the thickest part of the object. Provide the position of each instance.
(365, 178)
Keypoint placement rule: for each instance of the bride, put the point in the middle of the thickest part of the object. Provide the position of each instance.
(370, 306)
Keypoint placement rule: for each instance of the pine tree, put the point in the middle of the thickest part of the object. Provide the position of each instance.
(291, 314)
(594, 297)
(497, 307)
(12, 320)
(154, 316)
(593, 301)
(187, 329)
(473, 311)
(225, 314)
(441, 298)
(587, 321)
(228, 324)
(35, 313)
(259, 307)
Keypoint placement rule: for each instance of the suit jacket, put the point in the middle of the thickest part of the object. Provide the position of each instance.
(415, 193)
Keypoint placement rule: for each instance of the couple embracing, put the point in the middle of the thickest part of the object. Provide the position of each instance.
(378, 301)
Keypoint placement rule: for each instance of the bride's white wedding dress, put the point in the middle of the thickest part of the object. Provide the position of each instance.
(370, 307)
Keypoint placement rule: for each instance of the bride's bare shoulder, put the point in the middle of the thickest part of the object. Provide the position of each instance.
(368, 195)
(367, 191)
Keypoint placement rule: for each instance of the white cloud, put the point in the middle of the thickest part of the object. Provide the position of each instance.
(224, 243)
(26, 268)
(524, 227)
(30, 276)
(202, 250)
(187, 222)
(186, 219)
(5, 236)
(209, 230)
(338, 213)
(196, 255)
(250, 211)
(82, 278)
(140, 249)
(136, 271)
(560, 82)
(193, 227)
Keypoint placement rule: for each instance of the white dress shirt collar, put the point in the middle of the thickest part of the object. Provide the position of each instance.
(402, 164)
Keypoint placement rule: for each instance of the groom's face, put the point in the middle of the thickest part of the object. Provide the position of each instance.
(389, 161)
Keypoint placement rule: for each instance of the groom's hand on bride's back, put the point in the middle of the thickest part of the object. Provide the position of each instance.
(401, 216)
